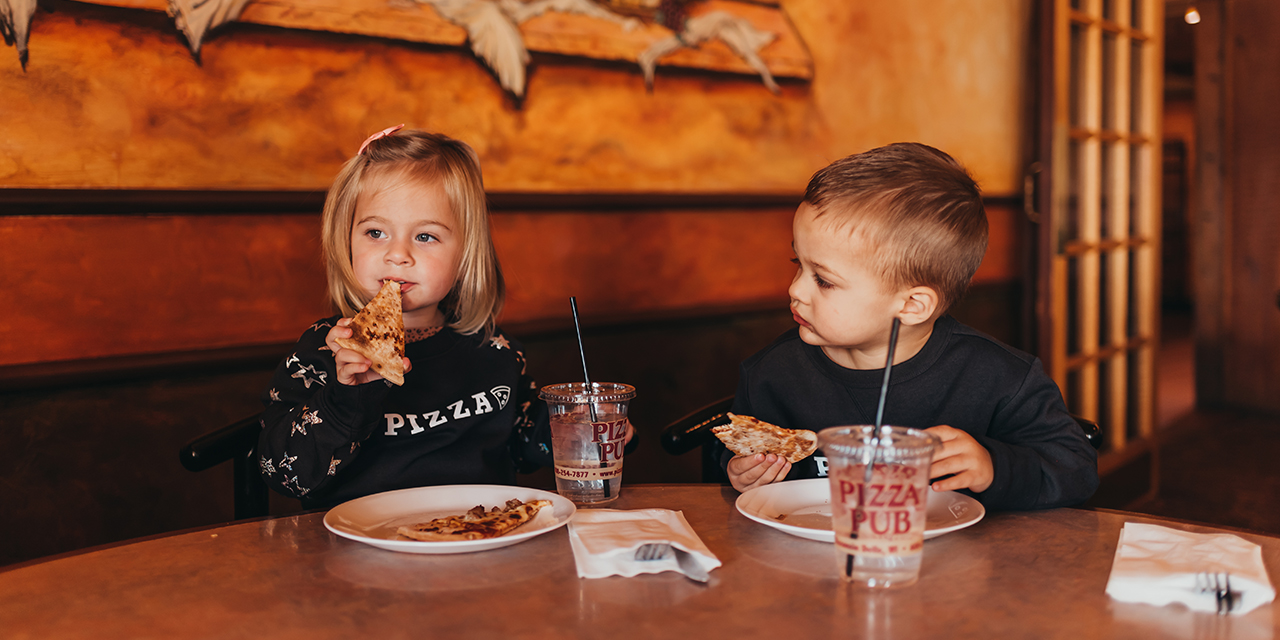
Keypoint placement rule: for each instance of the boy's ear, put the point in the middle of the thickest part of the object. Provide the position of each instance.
(919, 305)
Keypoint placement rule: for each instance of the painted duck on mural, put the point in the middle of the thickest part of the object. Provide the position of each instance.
(493, 28)
(15, 25)
(493, 31)
(195, 18)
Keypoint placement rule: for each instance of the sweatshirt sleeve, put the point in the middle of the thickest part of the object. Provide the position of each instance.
(1039, 454)
(531, 437)
(311, 425)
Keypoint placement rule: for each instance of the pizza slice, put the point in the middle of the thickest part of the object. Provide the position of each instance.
(378, 333)
(746, 436)
(476, 524)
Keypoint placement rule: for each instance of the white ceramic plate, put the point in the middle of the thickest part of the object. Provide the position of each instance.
(373, 519)
(803, 508)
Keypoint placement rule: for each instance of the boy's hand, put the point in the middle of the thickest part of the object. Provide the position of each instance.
(749, 472)
(353, 367)
(962, 456)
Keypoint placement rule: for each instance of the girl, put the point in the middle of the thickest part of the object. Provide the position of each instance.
(409, 207)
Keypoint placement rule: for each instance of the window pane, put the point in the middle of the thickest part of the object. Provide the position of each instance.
(1132, 415)
(1131, 319)
(1135, 13)
(1106, 188)
(1104, 396)
(1135, 87)
(1136, 162)
(1078, 93)
(1075, 399)
(1077, 4)
(1104, 306)
(1110, 120)
(1070, 226)
(1073, 306)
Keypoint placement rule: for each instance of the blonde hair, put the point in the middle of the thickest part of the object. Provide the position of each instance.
(915, 208)
(478, 293)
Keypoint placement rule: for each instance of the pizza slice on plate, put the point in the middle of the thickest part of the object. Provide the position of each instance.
(378, 333)
(476, 524)
(746, 436)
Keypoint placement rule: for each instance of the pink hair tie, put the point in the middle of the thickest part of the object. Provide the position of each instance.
(378, 136)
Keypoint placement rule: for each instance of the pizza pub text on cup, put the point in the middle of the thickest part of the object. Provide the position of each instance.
(879, 524)
(588, 432)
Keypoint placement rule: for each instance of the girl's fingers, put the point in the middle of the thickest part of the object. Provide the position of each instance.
(341, 331)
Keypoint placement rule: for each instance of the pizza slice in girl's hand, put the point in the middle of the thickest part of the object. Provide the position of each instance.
(747, 436)
(378, 333)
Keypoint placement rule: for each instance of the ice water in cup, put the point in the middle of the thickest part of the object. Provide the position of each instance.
(588, 432)
(879, 525)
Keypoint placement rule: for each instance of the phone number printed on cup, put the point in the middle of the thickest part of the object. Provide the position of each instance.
(578, 473)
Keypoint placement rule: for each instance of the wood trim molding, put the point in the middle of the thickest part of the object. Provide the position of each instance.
(28, 202)
(182, 202)
(71, 373)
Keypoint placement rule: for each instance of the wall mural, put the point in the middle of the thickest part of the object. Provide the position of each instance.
(15, 21)
(732, 36)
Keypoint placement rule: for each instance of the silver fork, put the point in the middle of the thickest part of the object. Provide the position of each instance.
(1219, 584)
(655, 551)
(658, 551)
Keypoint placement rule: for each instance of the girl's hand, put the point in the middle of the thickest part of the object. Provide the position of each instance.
(353, 367)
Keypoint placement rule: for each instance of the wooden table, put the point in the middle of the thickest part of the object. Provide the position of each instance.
(1013, 575)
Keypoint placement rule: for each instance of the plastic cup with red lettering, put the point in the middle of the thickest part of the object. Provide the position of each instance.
(588, 430)
(879, 525)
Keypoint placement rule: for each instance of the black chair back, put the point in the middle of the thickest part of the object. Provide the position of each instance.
(237, 442)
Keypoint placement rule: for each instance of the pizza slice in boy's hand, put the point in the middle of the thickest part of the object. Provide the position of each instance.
(746, 436)
(378, 333)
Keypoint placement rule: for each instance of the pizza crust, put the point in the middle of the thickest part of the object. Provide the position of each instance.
(378, 333)
(476, 524)
(746, 436)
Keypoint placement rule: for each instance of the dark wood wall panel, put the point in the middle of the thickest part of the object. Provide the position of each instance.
(98, 286)
(1252, 364)
(109, 286)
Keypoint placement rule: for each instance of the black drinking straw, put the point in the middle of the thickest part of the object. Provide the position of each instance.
(591, 405)
(875, 444)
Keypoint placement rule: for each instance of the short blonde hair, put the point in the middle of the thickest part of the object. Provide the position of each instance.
(477, 295)
(917, 210)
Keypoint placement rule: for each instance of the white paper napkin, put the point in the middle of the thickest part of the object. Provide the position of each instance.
(1158, 565)
(604, 541)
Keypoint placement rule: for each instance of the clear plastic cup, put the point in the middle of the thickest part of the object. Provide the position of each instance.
(879, 525)
(588, 430)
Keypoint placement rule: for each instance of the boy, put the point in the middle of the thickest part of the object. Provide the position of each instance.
(897, 232)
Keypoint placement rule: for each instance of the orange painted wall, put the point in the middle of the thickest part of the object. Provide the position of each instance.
(111, 99)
